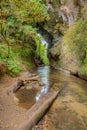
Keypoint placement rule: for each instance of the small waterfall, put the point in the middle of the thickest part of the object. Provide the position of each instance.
(42, 51)
(43, 41)
(43, 71)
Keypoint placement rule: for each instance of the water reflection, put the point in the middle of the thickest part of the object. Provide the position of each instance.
(54, 79)
(44, 72)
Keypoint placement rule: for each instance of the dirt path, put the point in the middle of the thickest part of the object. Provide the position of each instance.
(10, 114)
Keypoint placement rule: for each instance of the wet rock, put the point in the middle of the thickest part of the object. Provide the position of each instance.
(33, 85)
(18, 85)
(41, 83)
(83, 76)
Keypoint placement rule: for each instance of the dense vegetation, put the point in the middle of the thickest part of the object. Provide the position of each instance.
(18, 33)
(74, 51)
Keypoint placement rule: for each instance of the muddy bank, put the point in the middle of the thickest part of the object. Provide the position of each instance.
(11, 115)
(68, 112)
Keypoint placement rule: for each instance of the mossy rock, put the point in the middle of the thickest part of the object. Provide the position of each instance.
(74, 48)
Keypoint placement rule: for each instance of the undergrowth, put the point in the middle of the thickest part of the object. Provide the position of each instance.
(41, 51)
(15, 60)
(75, 44)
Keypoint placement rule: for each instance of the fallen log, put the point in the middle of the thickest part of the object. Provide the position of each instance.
(38, 111)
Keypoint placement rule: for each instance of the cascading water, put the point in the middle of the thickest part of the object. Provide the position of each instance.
(41, 51)
(43, 41)
(43, 71)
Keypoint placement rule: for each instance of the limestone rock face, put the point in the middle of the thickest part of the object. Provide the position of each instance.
(63, 15)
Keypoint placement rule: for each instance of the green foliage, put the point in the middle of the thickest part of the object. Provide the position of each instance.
(18, 19)
(14, 67)
(31, 11)
(84, 69)
(42, 52)
(18, 26)
(13, 64)
(17, 55)
(25, 51)
(75, 44)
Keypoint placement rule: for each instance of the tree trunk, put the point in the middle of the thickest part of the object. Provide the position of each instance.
(38, 111)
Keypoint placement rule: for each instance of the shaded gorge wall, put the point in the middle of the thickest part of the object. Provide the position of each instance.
(67, 25)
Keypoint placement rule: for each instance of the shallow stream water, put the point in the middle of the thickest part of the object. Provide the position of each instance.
(69, 111)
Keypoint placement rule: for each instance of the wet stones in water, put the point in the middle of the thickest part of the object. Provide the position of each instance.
(36, 84)
(33, 81)
(33, 85)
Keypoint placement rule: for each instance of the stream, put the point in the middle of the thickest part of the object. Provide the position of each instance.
(44, 73)
(69, 111)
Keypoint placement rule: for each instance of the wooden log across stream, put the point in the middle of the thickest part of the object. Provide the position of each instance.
(38, 111)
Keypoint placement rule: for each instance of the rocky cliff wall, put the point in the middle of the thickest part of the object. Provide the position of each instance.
(68, 20)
